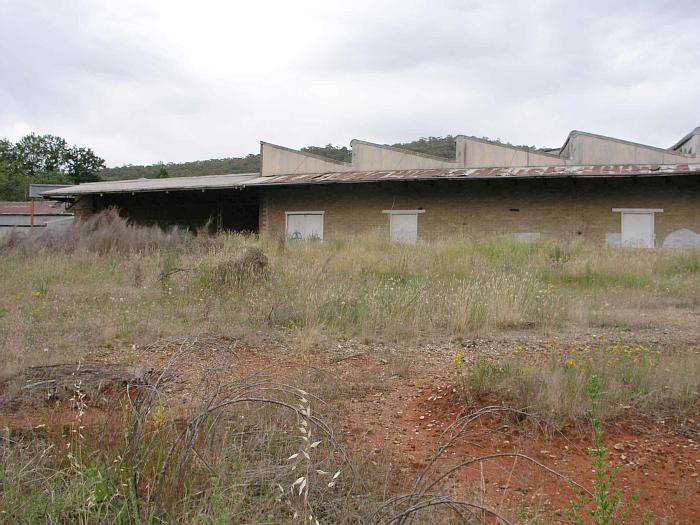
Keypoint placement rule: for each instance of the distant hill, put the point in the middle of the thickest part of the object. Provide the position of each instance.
(437, 146)
(249, 164)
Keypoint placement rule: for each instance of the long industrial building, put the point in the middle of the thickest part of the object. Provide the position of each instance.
(609, 191)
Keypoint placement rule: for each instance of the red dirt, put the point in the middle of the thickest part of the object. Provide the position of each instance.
(406, 417)
(663, 466)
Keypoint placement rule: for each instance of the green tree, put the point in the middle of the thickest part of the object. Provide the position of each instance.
(43, 159)
(40, 153)
(160, 173)
(83, 165)
(330, 151)
(13, 184)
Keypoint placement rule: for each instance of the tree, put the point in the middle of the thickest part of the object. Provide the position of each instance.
(330, 151)
(13, 184)
(44, 159)
(83, 165)
(39, 153)
(160, 173)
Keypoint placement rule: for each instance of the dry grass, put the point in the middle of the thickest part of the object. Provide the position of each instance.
(633, 379)
(103, 233)
(107, 285)
(249, 451)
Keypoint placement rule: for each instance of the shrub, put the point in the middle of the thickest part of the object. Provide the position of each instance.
(105, 232)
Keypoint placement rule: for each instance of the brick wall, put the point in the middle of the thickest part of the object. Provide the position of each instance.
(83, 207)
(564, 208)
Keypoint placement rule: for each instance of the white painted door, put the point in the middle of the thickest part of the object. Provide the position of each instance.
(404, 227)
(302, 226)
(637, 230)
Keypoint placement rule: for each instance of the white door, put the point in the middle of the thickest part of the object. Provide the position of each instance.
(403, 227)
(302, 226)
(637, 230)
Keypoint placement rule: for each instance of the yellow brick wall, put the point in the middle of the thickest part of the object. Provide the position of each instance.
(563, 208)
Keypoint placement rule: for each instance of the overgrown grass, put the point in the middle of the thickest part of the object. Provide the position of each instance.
(632, 378)
(139, 465)
(109, 284)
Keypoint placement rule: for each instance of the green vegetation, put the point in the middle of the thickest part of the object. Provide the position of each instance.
(604, 505)
(554, 386)
(248, 164)
(436, 146)
(43, 159)
(223, 443)
(107, 280)
(161, 173)
(237, 458)
(343, 154)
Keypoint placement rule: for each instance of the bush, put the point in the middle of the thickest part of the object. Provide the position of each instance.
(103, 233)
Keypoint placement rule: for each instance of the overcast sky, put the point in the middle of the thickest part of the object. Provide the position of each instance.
(148, 80)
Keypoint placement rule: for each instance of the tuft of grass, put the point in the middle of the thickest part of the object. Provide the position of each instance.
(682, 264)
(630, 378)
(597, 278)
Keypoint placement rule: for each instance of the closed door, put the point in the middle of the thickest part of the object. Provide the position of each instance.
(638, 230)
(404, 227)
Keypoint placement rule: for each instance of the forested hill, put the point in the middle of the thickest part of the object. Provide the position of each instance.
(249, 164)
(438, 146)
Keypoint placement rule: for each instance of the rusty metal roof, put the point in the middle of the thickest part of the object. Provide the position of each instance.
(618, 170)
(213, 182)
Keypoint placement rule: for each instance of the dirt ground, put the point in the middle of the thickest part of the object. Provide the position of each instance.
(398, 400)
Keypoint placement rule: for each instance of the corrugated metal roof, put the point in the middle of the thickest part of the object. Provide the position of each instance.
(618, 170)
(254, 179)
(143, 185)
(40, 208)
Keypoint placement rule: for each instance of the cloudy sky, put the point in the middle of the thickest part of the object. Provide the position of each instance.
(144, 81)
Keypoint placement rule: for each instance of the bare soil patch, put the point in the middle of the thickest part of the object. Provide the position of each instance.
(397, 401)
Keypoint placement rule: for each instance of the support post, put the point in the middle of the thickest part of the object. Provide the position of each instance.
(31, 213)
